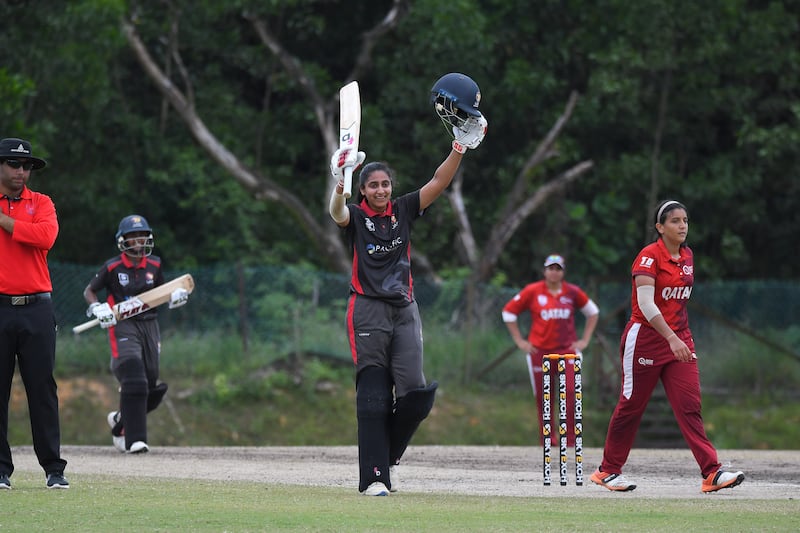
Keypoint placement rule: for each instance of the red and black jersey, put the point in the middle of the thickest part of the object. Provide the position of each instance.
(381, 244)
(674, 280)
(122, 278)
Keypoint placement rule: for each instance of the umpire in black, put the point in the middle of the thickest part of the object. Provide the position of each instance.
(28, 229)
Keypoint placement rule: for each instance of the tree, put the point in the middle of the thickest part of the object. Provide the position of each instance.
(671, 100)
(324, 107)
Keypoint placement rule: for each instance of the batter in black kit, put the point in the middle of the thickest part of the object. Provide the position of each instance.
(383, 321)
(135, 342)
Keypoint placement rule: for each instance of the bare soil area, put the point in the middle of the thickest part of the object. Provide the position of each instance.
(474, 470)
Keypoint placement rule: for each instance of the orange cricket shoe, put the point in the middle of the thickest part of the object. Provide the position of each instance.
(722, 480)
(612, 481)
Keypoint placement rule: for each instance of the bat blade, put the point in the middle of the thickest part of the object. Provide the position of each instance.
(349, 127)
(144, 301)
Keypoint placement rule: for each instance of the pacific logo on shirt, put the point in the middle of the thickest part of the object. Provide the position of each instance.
(373, 249)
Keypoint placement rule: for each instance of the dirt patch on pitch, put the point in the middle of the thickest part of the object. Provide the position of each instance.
(476, 470)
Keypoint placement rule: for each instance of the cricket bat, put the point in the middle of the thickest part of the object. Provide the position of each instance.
(144, 301)
(349, 127)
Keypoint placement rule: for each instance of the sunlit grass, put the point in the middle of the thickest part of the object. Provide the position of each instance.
(121, 504)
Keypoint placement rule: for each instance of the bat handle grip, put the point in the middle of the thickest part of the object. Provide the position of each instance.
(348, 182)
(86, 325)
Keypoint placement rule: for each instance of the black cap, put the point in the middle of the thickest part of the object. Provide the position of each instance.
(13, 148)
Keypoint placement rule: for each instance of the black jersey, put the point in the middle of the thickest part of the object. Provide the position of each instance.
(381, 244)
(122, 278)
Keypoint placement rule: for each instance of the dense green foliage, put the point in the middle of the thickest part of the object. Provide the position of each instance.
(696, 101)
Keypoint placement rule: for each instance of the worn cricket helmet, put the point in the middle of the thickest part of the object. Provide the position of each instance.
(456, 98)
(139, 245)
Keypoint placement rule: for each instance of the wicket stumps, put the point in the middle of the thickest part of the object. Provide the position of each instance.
(547, 429)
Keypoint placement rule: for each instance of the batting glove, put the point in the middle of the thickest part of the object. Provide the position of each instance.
(470, 134)
(345, 158)
(103, 313)
(178, 298)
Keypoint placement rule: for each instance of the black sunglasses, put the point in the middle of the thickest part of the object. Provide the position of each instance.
(16, 163)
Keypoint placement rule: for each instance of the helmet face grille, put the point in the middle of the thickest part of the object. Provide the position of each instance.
(456, 98)
(139, 245)
(448, 110)
(136, 245)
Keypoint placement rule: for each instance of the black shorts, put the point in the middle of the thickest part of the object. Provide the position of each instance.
(140, 339)
(385, 335)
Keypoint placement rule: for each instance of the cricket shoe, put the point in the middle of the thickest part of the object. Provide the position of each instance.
(118, 440)
(139, 447)
(112, 419)
(612, 481)
(56, 480)
(5, 483)
(119, 443)
(722, 480)
(376, 489)
(394, 478)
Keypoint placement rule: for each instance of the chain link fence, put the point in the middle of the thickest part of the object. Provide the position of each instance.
(745, 331)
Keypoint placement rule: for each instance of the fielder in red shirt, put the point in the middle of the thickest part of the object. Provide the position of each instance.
(657, 344)
(552, 303)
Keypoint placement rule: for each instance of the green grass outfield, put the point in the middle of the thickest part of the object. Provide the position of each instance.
(122, 504)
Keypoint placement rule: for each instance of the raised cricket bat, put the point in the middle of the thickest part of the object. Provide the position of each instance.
(349, 127)
(144, 301)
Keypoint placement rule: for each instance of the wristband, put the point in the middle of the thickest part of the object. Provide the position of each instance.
(336, 206)
(458, 147)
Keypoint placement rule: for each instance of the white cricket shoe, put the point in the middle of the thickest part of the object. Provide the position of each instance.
(612, 481)
(119, 440)
(394, 477)
(139, 447)
(376, 489)
(119, 443)
(112, 419)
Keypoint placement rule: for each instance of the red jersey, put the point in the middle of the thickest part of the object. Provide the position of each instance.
(674, 280)
(552, 317)
(35, 232)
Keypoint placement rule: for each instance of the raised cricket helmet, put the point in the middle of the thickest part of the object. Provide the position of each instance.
(134, 236)
(456, 97)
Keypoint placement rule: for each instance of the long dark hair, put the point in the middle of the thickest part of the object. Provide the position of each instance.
(662, 212)
(365, 173)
